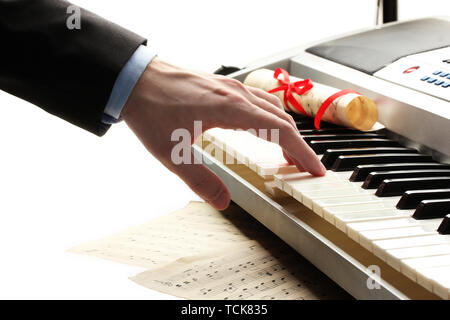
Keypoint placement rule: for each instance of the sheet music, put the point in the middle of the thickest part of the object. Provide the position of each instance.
(251, 271)
(201, 253)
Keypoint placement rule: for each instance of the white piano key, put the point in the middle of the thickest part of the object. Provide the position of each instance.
(342, 220)
(344, 175)
(353, 229)
(268, 169)
(318, 204)
(311, 191)
(330, 212)
(380, 247)
(329, 175)
(300, 179)
(328, 185)
(282, 180)
(436, 279)
(354, 200)
(264, 154)
(310, 196)
(425, 281)
(409, 267)
(273, 190)
(279, 184)
(441, 284)
(297, 195)
(331, 201)
(366, 238)
(394, 256)
(295, 183)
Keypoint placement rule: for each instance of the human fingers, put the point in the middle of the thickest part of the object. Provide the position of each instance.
(251, 117)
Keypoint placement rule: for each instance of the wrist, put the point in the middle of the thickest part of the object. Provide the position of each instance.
(145, 88)
(125, 83)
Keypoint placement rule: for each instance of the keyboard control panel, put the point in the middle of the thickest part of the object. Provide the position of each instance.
(427, 72)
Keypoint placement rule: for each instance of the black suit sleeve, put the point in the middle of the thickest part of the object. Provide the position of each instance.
(68, 73)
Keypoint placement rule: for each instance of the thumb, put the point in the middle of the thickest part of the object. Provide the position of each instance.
(205, 183)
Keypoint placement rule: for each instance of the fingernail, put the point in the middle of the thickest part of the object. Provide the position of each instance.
(324, 170)
(222, 200)
(320, 170)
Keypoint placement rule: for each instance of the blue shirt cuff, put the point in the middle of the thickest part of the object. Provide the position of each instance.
(125, 82)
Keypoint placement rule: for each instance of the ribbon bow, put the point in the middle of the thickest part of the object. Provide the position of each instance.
(300, 88)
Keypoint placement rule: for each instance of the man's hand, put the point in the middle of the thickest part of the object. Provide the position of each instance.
(167, 98)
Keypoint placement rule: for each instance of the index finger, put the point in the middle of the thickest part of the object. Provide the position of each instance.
(289, 138)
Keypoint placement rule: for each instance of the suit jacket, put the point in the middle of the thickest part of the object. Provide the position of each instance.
(68, 72)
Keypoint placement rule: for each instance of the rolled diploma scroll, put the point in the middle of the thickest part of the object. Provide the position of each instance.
(350, 110)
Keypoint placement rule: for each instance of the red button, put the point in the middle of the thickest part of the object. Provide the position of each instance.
(409, 70)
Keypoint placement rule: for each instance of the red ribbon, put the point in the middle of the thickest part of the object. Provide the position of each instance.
(300, 88)
(327, 103)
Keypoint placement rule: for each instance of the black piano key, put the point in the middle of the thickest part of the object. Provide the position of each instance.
(319, 132)
(374, 179)
(396, 187)
(432, 209)
(330, 156)
(362, 171)
(328, 125)
(444, 227)
(321, 146)
(304, 124)
(411, 199)
(347, 163)
(298, 116)
(308, 125)
(346, 136)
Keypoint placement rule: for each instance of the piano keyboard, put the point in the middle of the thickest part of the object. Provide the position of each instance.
(392, 200)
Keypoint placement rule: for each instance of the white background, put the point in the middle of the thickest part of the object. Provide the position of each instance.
(61, 186)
